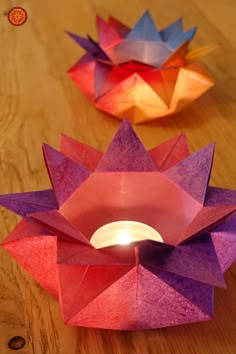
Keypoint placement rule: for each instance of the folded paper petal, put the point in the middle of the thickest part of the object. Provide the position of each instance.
(170, 153)
(190, 260)
(193, 173)
(29, 202)
(60, 169)
(126, 153)
(30, 241)
(82, 154)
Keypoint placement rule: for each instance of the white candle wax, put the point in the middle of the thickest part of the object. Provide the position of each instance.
(123, 232)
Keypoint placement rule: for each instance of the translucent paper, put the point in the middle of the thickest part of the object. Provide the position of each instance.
(144, 284)
(140, 73)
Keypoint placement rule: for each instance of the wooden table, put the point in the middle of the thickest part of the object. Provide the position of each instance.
(38, 101)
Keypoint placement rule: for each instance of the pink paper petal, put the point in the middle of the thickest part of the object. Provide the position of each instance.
(170, 152)
(81, 153)
(36, 252)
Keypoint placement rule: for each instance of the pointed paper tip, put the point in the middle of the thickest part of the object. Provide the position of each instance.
(125, 124)
(178, 21)
(47, 149)
(147, 17)
(147, 13)
(210, 148)
(72, 35)
(99, 20)
(191, 32)
(193, 173)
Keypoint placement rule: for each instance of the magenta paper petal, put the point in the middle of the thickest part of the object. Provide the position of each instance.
(170, 152)
(144, 293)
(196, 260)
(56, 223)
(225, 246)
(220, 196)
(61, 169)
(122, 29)
(86, 283)
(224, 238)
(29, 202)
(77, 254)
(107, 35)
(201, 296)
(27, 228)
(126, 153)
(28, 242)
(81, 153)
(193, 173)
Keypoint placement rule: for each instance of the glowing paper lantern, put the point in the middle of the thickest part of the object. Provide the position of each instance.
(140, 73)
(127, 239)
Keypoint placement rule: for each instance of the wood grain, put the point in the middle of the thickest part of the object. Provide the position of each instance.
(38, 101)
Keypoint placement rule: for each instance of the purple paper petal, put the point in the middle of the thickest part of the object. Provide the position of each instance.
(225, 246)
(90, 46)
(220, 196)
(194, 292)
(193, 173)
(196, 260)
(66, 175)
(126, 153)
(29, 202)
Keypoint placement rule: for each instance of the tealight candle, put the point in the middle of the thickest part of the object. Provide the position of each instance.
(123, 232)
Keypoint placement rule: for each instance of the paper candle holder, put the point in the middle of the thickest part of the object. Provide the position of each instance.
(181, 233)
(140, 73)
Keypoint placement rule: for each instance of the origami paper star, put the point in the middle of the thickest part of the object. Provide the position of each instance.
(144, 284)
(140, 73)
